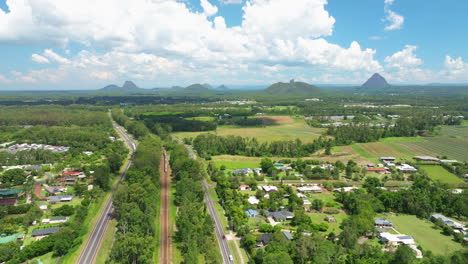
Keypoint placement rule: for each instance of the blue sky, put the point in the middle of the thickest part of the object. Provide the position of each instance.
(70, 44)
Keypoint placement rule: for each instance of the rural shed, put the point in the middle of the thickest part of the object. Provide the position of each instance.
(45, 232)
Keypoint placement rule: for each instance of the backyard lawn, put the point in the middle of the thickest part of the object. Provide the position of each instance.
(425, 234)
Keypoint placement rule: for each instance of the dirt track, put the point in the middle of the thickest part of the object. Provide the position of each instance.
(165, 248)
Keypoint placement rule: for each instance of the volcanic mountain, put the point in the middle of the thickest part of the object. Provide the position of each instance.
(376, 81)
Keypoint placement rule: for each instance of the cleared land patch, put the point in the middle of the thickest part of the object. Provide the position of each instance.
(441, 174)
(460, 132)
(287, 128)
(425, 234)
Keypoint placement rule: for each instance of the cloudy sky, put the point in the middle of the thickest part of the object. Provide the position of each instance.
(85, 44)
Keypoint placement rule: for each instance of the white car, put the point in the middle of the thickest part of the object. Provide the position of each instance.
(231, 258)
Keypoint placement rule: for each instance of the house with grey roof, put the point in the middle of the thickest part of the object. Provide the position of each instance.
(39, 233)
(281, 215)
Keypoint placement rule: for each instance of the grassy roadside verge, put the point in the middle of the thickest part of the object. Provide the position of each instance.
(176, 254)
(107, 242)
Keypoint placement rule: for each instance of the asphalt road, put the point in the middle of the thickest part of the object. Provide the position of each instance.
(94, 242)
(219, 231)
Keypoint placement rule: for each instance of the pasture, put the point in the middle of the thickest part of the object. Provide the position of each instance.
(425, 234)
(460, 132)
(285, 128)
(438, 173)
(453, 148)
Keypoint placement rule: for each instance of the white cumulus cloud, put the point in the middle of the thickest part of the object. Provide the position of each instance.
(208, 8)
(39, 59)
(395, 21)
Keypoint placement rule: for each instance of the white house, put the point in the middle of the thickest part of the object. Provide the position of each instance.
(406, 168)
(270, 188)
(345, 189)
(244, 187)
(253, 200)
(55, 220)
(305, 189)
(395, 240)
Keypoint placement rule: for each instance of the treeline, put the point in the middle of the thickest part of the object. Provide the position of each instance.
(421, 199)
(136, 205)
(53, 115)
(136, 128)
(210, 144)
(178, 123)
(404, 127)
(194, 225)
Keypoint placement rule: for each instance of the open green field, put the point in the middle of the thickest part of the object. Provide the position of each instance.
(460, 132)
(295, 128)
(425, 234)
(453, 148)
(318, 218)
(438, 173)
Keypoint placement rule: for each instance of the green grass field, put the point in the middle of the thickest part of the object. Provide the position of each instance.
(425, 234)
(438, 173)
(318, 218)
(460, 132)
(283, 131)
(453, 148)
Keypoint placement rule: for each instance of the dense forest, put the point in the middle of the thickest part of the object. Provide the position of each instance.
(136, 204)
(195, 229)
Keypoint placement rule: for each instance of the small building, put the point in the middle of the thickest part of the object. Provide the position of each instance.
(331, 219)
(251, 213)
(307, 189)
(457, 191)
(287, 235)
(72, 173)
(258, 171)
(40, 233)
(265, 239)
(253, 200)
(4, 193)
(447, 221)
(382, 223)
(8, 202)
(270, 188)
(242, 171)
(379, 170)
(426, 158)
(284, 168)
(43, 207)
(416, 250)
(406, 168)
(280, 216)
(60, 198)
(244, 187)
(55, 220)
(448, 161)
(396, 240)
(387, 159)
(67, 180)
(55, 189)
(11, 238)
(306, 202)
(278, 164)
(345, 189)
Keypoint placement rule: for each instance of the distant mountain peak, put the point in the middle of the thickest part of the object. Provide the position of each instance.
(129, 85)
(376, 81)
(294, 88)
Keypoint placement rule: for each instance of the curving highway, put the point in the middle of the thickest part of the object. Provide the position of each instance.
(93, 244)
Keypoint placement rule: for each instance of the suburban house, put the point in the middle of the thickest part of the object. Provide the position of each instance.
(270, 188)
(406, 168)
(326, 166)
(448, 161)
(278, 165)
(331, 219)
(306, 202)
(55, 189)
(251, 213)
(244, 187)
(457, 191)
(67, 180)
(279, 216)
(41, 233)
(264, 240)
(43, 206)
(345, 189)
(55, 220)
(396, 240)
(306, 189)
(253, 200)
(447, 221)
(284, 168)
(382, 223)
(9, 193)
(60, 198)
(72, 173)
